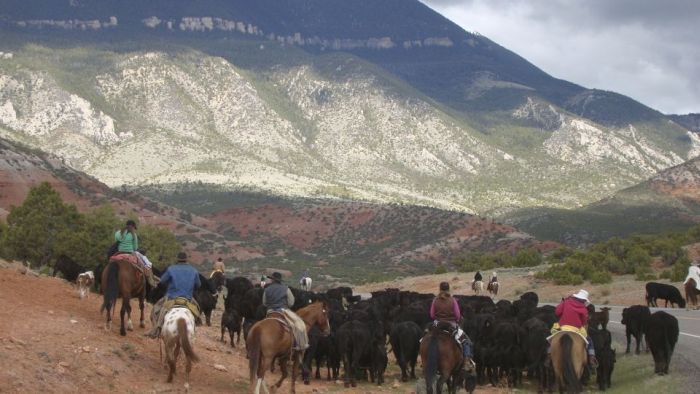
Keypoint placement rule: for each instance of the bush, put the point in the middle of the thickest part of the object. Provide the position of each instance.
(680, 269)
(601, 277)
(644, 274)
(665, 275)
(440, 269)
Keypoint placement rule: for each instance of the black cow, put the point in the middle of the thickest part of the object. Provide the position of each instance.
(535, 333)
(635, 319)
(665, 292)
(321, 348)
(231, 321)
(530, 297)
(358, 346)
(405, 343)
(661, 335)
(236, 289)
(69, 268)
(602, 342)
(205, 297)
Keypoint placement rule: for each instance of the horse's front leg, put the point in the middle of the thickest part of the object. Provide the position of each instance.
(130, 325)
(142, 320)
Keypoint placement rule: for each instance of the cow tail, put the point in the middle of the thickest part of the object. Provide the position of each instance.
(185, 340)
(432, 362)
(253, 346)
(111, 290)
(570, 377)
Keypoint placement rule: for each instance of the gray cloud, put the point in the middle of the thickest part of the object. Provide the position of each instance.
(646, 49)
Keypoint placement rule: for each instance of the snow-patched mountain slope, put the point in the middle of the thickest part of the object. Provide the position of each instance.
(326, 126)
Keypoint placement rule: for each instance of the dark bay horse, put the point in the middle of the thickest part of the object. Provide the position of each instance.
(269, 339)
(569, 359)
(121, 279)
(691, 293)
(440, 353)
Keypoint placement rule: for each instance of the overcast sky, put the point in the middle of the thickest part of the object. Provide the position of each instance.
(646, 49)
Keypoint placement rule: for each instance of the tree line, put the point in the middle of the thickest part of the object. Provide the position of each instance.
(45, 227)
(599, 262)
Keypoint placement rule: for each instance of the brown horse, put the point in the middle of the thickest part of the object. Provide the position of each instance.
(569, 359)
(440, 353)
(269, 339)
(691, 293)
(121, 279)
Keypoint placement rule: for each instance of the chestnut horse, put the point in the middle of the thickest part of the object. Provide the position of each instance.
(691, 293)
(440, 353)
(121, 279)
(569, 359)
(269, 339)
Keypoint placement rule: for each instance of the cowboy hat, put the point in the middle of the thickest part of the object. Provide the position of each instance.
(276, 276)
(581, 295)
(182, 256)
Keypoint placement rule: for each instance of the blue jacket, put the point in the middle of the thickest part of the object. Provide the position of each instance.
(182, 280)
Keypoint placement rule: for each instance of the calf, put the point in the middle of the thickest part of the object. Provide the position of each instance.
(84, 282)
(600, 318)
(405, 342)
(662, 335)
(231, 321)
(635, 319)
(602, 342)
(68, 268)
(665, 292)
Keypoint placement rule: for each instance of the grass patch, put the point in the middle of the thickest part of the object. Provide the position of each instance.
(635, 374)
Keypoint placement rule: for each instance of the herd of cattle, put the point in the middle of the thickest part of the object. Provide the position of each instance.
(510, 338)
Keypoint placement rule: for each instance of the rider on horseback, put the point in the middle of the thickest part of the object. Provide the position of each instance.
(494, 278)
(182, 280)
(694, 274)
(573, 316)
(218, 267)
(278, 298)
(128, 243)
(445, 309)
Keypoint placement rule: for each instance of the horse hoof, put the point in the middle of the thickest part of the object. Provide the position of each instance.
(122, 332)
(142, 324)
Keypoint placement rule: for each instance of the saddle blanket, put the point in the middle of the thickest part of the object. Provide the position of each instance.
(556, 329)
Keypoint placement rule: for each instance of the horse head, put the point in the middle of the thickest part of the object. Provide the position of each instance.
(316, 314)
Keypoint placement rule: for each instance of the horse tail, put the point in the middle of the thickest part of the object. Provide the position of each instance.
(185, 340)
(431, 366)
(253, 345)
(571, 379)
(111, 290)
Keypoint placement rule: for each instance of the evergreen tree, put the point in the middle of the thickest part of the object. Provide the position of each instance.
(35, 228)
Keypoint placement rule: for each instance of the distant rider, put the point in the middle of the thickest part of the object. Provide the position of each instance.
(573, 316)
(218, 267)
(694, 274)
(445, 309)
(494, 278)
(278, 299)
(182, 280)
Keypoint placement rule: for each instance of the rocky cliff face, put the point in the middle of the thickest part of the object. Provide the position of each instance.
(329, 125)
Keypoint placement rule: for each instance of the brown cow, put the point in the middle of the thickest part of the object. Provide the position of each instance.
(602, 318)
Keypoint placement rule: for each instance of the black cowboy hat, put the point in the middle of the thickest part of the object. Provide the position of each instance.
(131, 223)
(182, 256)
(276, 276)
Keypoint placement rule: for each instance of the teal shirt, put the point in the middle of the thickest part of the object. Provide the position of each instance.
(128, 242)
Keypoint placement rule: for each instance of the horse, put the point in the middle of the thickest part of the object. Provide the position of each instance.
(492, 288)
(478, 287)
(305, 283)
(122, 279)
(691, 294)
(440, 353)
(569, 359)
(270, 339)
(178, 332)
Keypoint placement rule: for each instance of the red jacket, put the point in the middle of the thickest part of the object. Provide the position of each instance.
(572, 312)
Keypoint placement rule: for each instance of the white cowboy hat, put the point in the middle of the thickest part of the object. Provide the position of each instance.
(582, 295)
(494, 273)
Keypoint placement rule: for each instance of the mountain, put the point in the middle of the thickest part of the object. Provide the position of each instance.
(349, 240)
(385, 102)
(667, 201)
(689, 121)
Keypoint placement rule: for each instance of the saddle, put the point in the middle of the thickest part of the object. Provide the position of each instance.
(570, 329)
(138, 265)
(279, 317)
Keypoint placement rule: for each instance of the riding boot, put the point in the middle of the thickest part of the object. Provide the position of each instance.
(152, 280)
